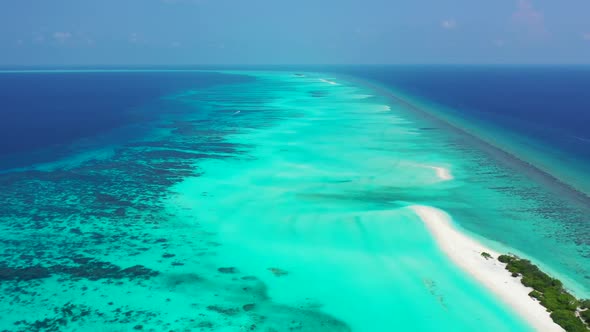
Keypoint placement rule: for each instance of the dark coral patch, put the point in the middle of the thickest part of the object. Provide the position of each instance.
(24, 273)
(93, 269)
(182, 278)
(229, 311)
(228, 270)
(248, 307)
(81, 268)
(278, 272)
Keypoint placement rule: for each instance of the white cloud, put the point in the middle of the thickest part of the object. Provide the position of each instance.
(499, 42)
(62, 37)
(38, 38)
(530, 18)
(448, 24)
(133, 38)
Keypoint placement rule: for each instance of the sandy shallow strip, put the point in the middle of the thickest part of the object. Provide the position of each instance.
(442, 173)
(328, 81)
(466, 253)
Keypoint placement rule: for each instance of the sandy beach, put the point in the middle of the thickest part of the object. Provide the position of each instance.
(466, 253)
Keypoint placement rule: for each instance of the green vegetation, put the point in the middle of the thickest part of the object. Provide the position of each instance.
(585, 313)
(563, 306)
(486, 255)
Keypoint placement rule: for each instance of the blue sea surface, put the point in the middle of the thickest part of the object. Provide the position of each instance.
(539, 115)
(258, 200)
(549, 104)
(43, 114)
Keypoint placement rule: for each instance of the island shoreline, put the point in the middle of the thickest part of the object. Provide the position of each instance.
(548, 180)
(466, 253)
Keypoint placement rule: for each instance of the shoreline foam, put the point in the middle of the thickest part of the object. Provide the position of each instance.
(466, 253)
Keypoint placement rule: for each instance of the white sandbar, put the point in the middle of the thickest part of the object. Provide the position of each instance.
(442, 173)
(329, 82)
(466, 253)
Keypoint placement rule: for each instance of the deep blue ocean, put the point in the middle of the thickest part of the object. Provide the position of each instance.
(43, 114)
(550, 104)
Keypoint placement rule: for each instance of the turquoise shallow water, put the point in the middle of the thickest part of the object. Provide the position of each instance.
(508, 200)
(324, 199)
(274, 204)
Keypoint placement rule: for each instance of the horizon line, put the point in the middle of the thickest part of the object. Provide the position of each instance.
(279, 65)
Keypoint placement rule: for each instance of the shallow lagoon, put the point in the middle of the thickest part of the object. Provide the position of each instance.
(270, 204)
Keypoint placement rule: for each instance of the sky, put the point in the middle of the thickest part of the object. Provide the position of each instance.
(184, 32)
